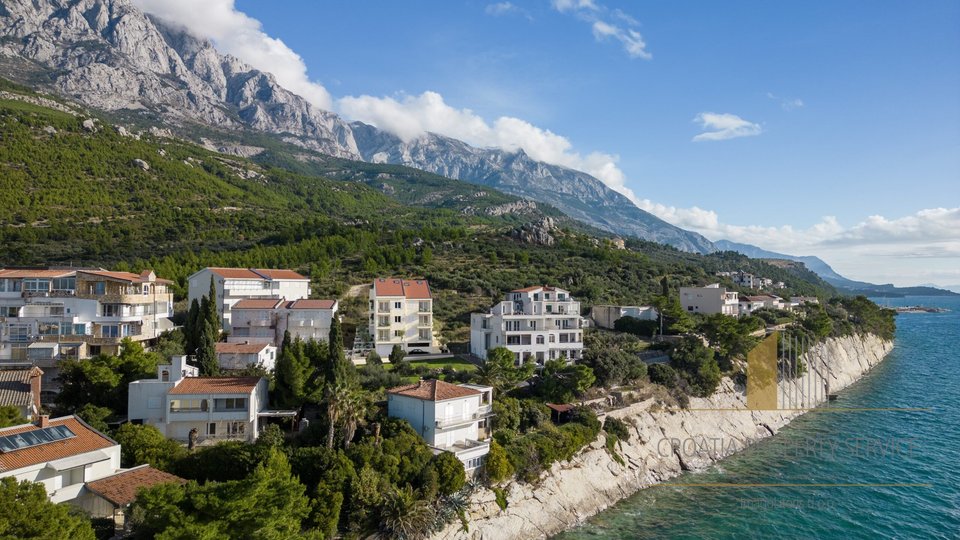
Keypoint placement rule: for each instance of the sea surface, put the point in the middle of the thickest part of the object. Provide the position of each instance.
(916, 450)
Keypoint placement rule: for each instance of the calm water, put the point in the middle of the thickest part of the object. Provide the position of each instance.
(918, 447)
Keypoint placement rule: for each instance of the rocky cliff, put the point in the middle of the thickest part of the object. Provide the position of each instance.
(573, 491)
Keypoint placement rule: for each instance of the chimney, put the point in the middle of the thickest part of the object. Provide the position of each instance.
(44, 421)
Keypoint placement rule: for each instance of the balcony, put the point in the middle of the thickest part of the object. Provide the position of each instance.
(485, 411)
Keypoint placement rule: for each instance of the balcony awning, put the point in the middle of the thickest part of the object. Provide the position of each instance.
(76, 461)
(277, 414)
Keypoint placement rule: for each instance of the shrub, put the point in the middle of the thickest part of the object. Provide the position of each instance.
(617, 427)
(450, 474)
(501, 496)
(498, 467)
(663, 374)
(635, 326)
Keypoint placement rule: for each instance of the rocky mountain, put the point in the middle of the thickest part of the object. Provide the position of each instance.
(575, 193)
(111, 56)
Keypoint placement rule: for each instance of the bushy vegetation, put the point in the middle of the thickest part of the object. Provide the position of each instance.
(539, 446)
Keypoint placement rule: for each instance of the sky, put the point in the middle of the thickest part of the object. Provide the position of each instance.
(828, 128)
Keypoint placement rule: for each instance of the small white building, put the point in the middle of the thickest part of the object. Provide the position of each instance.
(258, 320)
(235, 284)
(401, 313)
(450, 417)
(709, 300)
(219, 408)
(233, 356)
(536, 324)
(60, 453)
(606, 316)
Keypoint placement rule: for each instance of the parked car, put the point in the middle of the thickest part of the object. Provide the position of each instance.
(417, 351)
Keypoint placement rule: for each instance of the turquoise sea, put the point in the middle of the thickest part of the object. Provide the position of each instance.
(861, 449)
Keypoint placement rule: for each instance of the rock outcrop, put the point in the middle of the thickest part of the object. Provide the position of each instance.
(573, 491)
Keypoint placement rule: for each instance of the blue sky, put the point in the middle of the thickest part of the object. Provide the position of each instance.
(848, 111)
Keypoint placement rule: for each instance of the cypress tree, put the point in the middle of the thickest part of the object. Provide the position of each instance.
(207, 352)
(212, 313)
(191, 330)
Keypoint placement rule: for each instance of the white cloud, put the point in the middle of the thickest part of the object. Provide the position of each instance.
(505, 8)
(719, 127)
(235, 33)
(409, 117)
(606, 24)
(787, 104)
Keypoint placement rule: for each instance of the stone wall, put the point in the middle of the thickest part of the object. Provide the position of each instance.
(570, 492)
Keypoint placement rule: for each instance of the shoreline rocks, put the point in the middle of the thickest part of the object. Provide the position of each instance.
(573, 491)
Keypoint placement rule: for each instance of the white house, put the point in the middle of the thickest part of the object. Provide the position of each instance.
(401, 313)
(244, 355)
(235, 284)
(606, 316)
(20, 388)
(61, 453)
(266, 320)
(709, 300)
(449, 417)
(178, 401)
(536, 324)
(49, 314)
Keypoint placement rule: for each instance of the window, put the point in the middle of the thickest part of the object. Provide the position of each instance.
(396, 319)
(112, 310)
(236, 429)
(540, 340)
(9, 311)
(383, 335)
(110, 331)
(424, 334)
(146, 289)
(230, 404)
(80, 329)
(533, 325)
(65, 284)
(397, 305)
(211, 428)
(100, 287)
(513, 340)
(36, 285)
(383, 306)
(72, 476)
(553, 338)
(398, 333)
(424, 306)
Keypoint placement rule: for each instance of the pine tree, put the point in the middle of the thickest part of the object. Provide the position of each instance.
(290, 373)
(191, 330)
(212, 314)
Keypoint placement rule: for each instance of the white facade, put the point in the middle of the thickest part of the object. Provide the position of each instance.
(178, 401)
(232, 356)
(710, 300)
(401, 313)
(536, 324)
(451, 418)
(235, 284)
(46, 315)
(606, 316)
(62, 466)
(266, 321)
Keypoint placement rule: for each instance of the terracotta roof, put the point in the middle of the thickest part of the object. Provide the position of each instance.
(35, 273)
(278, 274)
(15, 386)
(235, 273)
(215, 385)
(312, 304)
(129, 277)
(413, 289)
(433, 390)
(86, 440)
(258, 303)
(534, 288)
(241, 348)
(121, 489)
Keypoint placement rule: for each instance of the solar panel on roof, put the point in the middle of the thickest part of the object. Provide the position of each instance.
(27, 439)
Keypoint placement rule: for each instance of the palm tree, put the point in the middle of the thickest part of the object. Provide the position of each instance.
(403, 516)
(353, 410)
(336, 396)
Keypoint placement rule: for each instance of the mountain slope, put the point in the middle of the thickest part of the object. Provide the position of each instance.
(575, 193)
(109, 55)
(822, 269)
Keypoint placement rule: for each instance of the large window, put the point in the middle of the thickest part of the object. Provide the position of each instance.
(36, 285)
(230, 404)
(111, 331)
(65, 284)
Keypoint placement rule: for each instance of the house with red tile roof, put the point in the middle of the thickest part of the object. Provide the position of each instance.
(61, 453)
(450, 417)
(401, 313)
(110, 497)
(20, 387)
(266, 320)
(235, 284)
(178, 401)
(536, 324)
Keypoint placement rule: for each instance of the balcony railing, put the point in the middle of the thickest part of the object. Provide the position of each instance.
(480, 414)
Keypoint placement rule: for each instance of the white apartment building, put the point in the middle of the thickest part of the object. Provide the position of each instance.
(235, 284)
(709, 300)
(259, 320)
(536, 324)
(401, 313)
(606, 316)
(61, 453)
(219, 408)
(233, 356)
(449, 417)
(48, 314)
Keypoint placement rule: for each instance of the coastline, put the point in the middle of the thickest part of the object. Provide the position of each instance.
(573, 491)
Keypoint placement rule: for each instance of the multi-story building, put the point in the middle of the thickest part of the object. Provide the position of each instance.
(536, 324)
(60, 453)
(179, 401)
(401, 313)
(709, 300)
(606, 316)
(235, 284)
(48, 314)
(449, 417)
(259, 320)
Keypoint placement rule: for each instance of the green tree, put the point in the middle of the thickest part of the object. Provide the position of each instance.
(95, 416)
(696, 363)
(206, 357)
(212, 313)
(675, 320)
(497, 466)
(450, 472)
(141, 444)
(501, 372)
(396, 354)
(506, 413)
(560, 382)
(403, 516)
(373, 359)
(10, 416)
(104, 380)
(290, 373)
(26, 512)
(192, 329)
